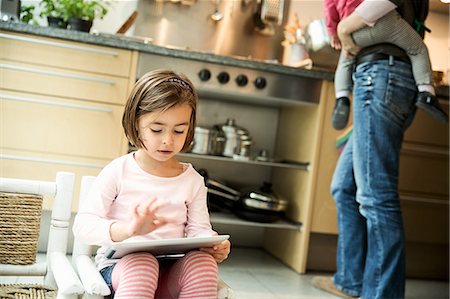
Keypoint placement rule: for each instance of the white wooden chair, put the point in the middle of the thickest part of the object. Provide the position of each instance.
(94, 285)
(57, 270)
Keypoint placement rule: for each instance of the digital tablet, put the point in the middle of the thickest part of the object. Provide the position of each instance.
(163, 246)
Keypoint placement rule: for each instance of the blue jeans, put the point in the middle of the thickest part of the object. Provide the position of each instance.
(106, 273)
(371, 246)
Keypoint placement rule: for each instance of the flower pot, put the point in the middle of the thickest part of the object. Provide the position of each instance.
(56, 22)
(79, 24)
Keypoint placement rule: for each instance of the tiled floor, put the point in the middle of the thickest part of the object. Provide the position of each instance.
(254, 274)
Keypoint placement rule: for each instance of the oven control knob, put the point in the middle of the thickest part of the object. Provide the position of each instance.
(260, 82)
(241, 80)
(223, 77)
(204, 74)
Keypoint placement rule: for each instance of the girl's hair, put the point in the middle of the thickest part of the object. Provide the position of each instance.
(158, 91)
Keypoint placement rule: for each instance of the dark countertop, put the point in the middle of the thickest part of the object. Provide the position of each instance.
(131, 43)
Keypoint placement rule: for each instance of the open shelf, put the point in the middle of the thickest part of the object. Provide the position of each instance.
(228, 218)
(283, 163)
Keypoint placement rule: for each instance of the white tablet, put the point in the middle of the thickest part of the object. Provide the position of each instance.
(163, 246)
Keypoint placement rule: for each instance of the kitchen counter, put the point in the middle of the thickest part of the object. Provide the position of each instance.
(142, 45)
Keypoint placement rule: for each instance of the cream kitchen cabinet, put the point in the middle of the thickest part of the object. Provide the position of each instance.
(61, 106)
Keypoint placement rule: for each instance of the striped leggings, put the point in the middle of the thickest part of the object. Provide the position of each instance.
(141, 276)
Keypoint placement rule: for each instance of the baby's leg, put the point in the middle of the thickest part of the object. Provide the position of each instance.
(136, 276)
(392, 28)
(193, 276)
(343, 76)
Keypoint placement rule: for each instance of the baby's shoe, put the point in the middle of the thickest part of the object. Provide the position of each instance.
(430, 104)
(341, 113)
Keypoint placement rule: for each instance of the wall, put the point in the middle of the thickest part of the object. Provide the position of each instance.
(438, 40)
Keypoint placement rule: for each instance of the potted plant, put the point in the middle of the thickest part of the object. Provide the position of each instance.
(81, 13)
(54, 11)
(27, 14)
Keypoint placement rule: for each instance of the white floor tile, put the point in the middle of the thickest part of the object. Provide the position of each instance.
(254, 274)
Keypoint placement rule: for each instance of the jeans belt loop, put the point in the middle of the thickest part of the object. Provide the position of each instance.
(391, 60)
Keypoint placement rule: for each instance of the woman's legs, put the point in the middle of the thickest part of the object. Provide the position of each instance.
(135, 276)
(193, 276)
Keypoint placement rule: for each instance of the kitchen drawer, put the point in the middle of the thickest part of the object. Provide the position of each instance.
(65, 54)
(60, 126)
(426, 130)
(426, 221)
(424, 174)
(27, 165)
(64, 83)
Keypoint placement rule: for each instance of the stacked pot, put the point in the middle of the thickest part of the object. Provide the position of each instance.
(227, 140)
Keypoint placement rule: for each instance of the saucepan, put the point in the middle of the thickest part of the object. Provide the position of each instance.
(259, 204)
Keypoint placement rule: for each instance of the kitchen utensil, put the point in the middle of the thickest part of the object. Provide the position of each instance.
(242, 151)
(217, 15)
(254, 204)
(202, 140)
(217, 141)
(233, 134)
(260, 205)
(272, 11)
(128, 23)
(316, 35)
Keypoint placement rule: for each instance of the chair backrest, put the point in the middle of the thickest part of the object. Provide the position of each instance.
(56, 270)
(93, 283)
(78, 247)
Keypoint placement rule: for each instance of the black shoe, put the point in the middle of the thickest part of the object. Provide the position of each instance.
(341, 113)
(430, 104)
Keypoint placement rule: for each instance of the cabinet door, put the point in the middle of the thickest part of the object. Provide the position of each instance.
(64, 54)
(60, 126)
(64, 83)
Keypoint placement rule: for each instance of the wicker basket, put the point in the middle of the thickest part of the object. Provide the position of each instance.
(20, 217)
(26, 291)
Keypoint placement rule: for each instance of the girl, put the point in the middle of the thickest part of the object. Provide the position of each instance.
(148, 194)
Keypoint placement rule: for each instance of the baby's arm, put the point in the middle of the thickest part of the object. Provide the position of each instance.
(335, 42)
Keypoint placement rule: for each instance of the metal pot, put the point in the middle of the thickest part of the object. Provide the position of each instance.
(217, 141)
(254, 204)
(201, 141)
(233, 136)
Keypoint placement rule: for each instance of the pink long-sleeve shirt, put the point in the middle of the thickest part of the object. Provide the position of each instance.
(336, 10)
(122, 185)
(369, 10)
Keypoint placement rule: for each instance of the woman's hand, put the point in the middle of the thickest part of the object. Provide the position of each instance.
(144, 220)
(220, 251)
(345, 29)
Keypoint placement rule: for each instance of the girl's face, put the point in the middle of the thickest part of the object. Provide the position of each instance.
(164, 133)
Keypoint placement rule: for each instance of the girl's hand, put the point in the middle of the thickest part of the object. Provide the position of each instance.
(220, 251)
(144, 220)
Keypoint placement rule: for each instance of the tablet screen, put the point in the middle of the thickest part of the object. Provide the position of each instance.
(163, 246)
